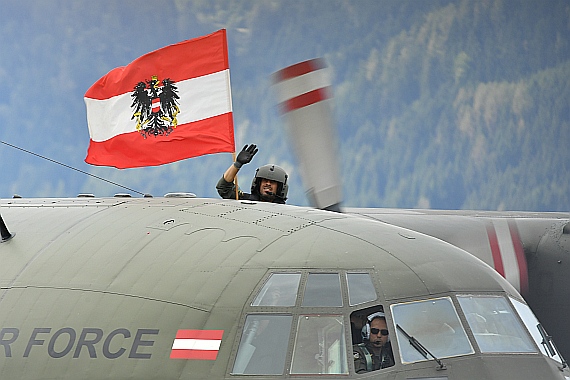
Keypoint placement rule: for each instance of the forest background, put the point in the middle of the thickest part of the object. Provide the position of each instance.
(454, 104)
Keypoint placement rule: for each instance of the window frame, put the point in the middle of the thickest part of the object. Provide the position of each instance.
(460, 318)
(297, 311)
(472, 334)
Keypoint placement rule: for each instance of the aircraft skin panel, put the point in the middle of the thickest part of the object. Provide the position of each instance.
(507, 242)
(33, 225)
(410, 250)
(489, 368)
(103, 264)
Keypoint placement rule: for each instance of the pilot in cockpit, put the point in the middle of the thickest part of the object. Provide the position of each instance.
(268, 185)
(375, 352)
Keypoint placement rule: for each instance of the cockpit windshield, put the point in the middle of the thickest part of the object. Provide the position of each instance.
(307, 322)
(533, 327)
(435, 324)
(495, 325)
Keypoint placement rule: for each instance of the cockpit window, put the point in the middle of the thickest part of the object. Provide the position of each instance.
(532, 326)
(434, 323)
(495, 325)
(263, 345)
(371, 345)
(279, 290)
(323, 289)
(360, 288)
(320, 346)
(297, 323)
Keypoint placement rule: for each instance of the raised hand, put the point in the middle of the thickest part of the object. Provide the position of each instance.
(245, 156)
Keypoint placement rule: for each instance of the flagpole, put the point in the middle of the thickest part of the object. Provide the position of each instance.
(236, 177)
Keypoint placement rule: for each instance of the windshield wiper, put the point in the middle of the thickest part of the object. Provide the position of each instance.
(421, 348)
(548, 343)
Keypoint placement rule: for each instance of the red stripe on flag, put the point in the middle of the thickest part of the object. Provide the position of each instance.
(299, 69)
(194, 354)
(184, 60)
(495, 250)
(521, 259)
(305, 100)
(131, 150)
(200, 334)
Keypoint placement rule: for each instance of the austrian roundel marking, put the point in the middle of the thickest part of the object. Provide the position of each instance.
(196, 344)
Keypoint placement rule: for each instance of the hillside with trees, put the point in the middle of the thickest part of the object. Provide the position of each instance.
(473, 111)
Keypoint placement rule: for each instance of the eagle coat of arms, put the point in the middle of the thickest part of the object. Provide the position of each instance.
(155, 106)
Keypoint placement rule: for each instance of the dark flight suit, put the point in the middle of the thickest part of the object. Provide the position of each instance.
(227, 190)
(365, 360)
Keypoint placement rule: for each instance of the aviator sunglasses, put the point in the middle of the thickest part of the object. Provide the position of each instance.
(375, 331)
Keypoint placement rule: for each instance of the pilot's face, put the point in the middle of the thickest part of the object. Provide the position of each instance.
(376, 337)
(267, 187)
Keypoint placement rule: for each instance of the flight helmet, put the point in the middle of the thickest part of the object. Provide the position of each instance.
(274, 173)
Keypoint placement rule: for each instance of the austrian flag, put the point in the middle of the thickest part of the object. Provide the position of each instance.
(196, 344)
(171, 104)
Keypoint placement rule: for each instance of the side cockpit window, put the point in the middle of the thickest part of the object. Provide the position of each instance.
(537, 332)
(263, 345)
(279, 290)
(494, 324)
(371, 349)
(297, 323)
(360, 288)
(322, 289)
(319, 345)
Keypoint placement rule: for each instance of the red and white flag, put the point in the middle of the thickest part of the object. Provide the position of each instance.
(168, 105)
(196, 344)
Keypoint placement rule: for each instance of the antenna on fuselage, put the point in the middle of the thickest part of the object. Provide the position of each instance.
(6, 235)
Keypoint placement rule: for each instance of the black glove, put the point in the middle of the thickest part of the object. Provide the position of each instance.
(245, 156)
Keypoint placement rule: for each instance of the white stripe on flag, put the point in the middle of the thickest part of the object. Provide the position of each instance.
(200, 98)
(196, 344)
